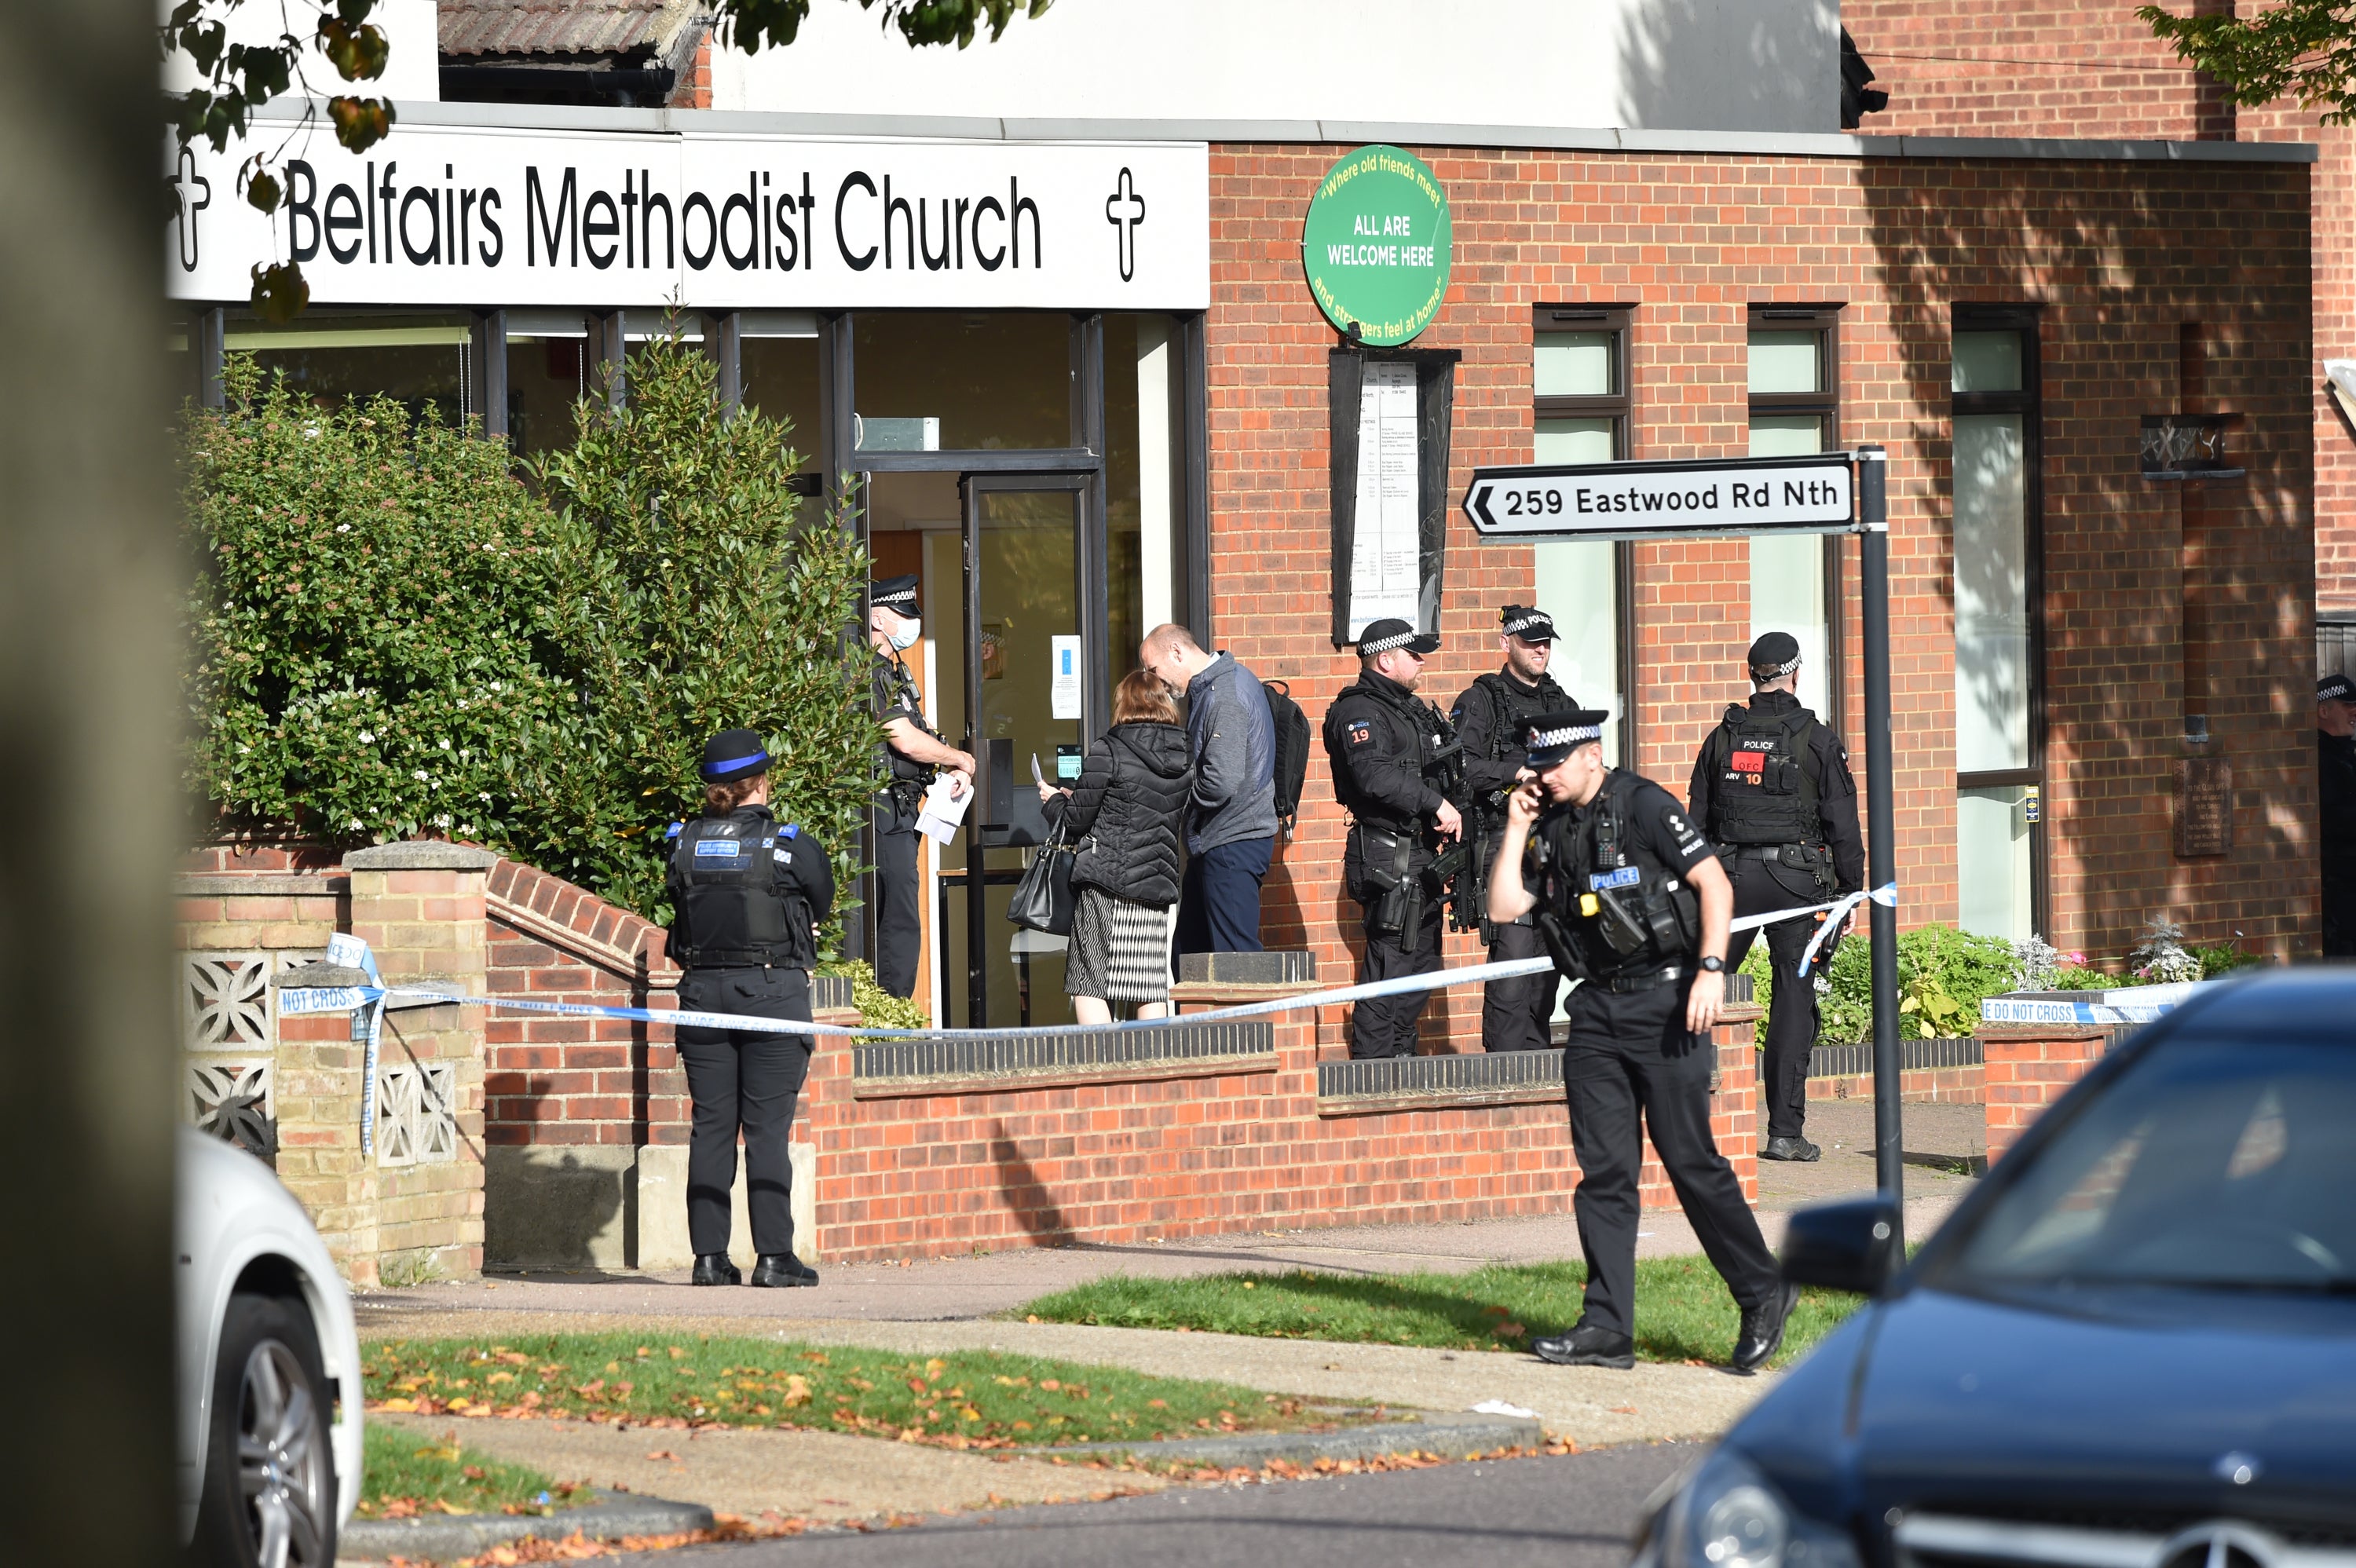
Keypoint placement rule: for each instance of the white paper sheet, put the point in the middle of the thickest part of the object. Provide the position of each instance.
(1063, 690)
(942, 812)
(1387, 553)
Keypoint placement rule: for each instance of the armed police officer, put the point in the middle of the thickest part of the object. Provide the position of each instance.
(1771, 788)
(913, 755)
(1489, 719)
(1631, 902)
(1392, 754)
(748, 894)
(2335, 756)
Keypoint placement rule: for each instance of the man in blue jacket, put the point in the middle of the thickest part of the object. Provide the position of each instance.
(1231, 818)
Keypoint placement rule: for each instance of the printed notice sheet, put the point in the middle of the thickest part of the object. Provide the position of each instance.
(1386, 555)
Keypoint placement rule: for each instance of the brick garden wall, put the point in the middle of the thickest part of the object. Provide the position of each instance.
(2119, 254)
(2030, 1067)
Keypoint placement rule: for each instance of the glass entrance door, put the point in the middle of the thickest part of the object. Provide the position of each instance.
(1028, 666)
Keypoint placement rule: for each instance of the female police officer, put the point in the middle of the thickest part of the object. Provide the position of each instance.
(749, 895)
(1633, 902)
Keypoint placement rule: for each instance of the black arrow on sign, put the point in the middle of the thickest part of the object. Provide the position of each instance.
(1477, 505)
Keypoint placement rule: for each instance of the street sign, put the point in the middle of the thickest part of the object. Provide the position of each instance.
(1651, 500)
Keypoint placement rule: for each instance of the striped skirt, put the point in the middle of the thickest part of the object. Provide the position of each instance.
(1120, 950)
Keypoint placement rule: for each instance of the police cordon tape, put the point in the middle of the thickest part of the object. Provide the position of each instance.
(354, 953)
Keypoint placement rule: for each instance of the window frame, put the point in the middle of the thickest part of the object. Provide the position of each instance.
(1825, 404)
(1619, 407)
(2026, 320)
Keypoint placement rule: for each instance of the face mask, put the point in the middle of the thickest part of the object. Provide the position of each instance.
(905, 635)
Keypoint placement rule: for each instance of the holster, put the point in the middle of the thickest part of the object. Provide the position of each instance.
(1815, 862)
(1389, 861)
(1558, 944)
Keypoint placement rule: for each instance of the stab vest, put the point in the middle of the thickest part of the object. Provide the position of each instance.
(897, 697)
(1624, 911)
(1509, 705)
(1764, 779)
(741, 905)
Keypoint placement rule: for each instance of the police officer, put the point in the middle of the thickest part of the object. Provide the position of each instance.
(749, 894)
(1630, 900)
(914, 754)
(1516, 1014)
(1390, 752)
(1771, 788)
(2335, 747)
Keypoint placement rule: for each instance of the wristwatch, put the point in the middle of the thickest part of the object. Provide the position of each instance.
(1713, 965)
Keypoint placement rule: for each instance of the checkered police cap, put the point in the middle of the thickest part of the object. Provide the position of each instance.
(2335, 688)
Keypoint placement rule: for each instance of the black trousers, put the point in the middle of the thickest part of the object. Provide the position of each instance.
(1518, 1015)
(1794, 1020)
(1631, 1068)
(742, 1079)
(2339, 915)
(1386, 1026)
(898, 921)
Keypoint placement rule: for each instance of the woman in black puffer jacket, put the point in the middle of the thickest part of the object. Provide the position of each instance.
(1126, 817)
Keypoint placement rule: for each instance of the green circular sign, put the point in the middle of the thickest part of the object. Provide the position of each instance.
(1375, 245)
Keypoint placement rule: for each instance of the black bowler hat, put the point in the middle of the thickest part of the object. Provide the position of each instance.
(1382, 636)
(1553, 736)
(897, 594)
(2335, 688)
(1776, 653)
(734, 755)
(1530, 625)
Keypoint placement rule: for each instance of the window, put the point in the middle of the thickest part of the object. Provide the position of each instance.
(1999, 749)
(1794, 390)
(1579, 363)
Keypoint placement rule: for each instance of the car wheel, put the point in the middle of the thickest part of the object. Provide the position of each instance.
(268, 1497)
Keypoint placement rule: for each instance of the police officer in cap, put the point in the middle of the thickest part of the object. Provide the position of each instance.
(1771, 788)
(2335, 747)
(1490, 716)
(748, 894)
(914, 754)
(1630, 900)
(1391, 751)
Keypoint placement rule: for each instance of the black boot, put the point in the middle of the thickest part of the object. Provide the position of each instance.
(1799, 1150)
(1586, 1347)
(713, 1268)
(782, 1270)
(1761, 1334)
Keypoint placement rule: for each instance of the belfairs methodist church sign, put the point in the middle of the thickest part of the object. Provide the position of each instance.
(482, 215)
(1375, 245)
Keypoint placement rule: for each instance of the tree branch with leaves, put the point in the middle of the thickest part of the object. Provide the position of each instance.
(2300, 49)
(239, 78)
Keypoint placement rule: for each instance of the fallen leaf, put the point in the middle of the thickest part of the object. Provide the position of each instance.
(664, 1454)
(1623, 1410)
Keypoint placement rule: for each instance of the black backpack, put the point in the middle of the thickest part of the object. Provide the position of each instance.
(1291, 750)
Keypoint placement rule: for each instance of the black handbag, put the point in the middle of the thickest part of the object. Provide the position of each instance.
(1043, 898)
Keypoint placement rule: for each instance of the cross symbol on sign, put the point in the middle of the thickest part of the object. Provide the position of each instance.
(1125, 209)
(185, 181)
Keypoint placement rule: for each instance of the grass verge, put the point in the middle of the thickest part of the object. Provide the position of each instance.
(970, 1400)
(403, 1478)
(1683, 1311)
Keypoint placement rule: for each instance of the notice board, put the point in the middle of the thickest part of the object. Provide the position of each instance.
(1392, 410)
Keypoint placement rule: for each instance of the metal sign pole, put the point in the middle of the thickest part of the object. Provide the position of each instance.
(1873, 585)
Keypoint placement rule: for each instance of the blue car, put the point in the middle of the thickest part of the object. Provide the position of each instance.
(2133, 1347)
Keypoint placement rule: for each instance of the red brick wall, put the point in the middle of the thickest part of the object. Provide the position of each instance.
(2054, 68)
(2119, 255)
(1111, 1164)
(2028, 1070)
(1927, 1085)
(577, 1081)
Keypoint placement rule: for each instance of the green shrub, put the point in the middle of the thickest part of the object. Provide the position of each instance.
(370, 656)
(696, 598)
(1944, 974)
(878, 1008)
(394, 636)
